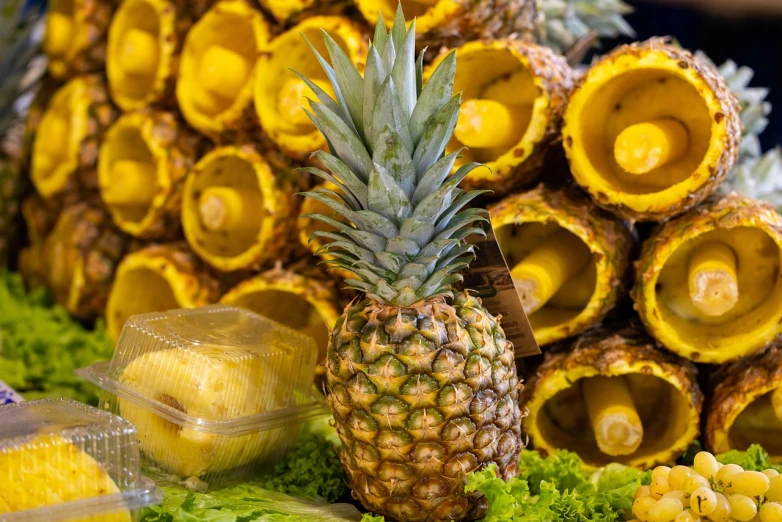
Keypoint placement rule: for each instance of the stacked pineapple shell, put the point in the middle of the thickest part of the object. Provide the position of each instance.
(177, 129)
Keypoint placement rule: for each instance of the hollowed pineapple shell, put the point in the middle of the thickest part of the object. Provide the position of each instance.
(451, 23)
(75, 40)
(295, 11)
(754, 231)
(287, 52)
(515, 73)
(79, 259)
(158, 141)
(643, 82)
(161, 24)
(159, 278)
(739, 410)
(230, 29)
(65, 152)
(663, 388)
(299, 297)
(523, 221)
(265, 231)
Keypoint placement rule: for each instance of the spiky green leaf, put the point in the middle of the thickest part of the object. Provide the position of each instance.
(436, 93)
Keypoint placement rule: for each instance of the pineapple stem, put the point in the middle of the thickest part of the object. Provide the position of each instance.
(293, 96)
(223, 72)
(132, 183)
(713, 283)
(547, 268)
(139, 53)
(643, 147)
(776, 402)
(612, 414)
(491, 124)
(227, 209)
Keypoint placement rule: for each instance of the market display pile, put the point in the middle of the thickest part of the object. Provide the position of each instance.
(168, 150)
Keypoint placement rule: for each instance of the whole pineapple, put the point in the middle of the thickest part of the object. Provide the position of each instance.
(421, 381)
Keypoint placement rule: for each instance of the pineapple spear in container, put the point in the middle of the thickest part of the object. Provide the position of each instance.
(80, 257)
(236, 211)
(513, 96)
(299, 296)
(569, 259)
(421, 380)
(144, 45)
(156, 279)
(214, 86)
(650, 131)
(709, 283)
(280, 93)
(75, 40)
(144, 159)
(745, 406)
(614, 398)
(67, 142)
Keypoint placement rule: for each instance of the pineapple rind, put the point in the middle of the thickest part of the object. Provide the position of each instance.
(88, 54)
(554, 79)
(176, 148)
(728, 212)
(726, 113)
(735, 386)
(622, 352)
(192, 284)
(10, 193)
(609, 240)
(421, 396)
(98, 245)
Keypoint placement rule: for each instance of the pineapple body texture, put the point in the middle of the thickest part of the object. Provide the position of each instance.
(422, 396)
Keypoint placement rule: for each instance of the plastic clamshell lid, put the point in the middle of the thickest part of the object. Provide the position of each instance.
(61, 459)
(215, 369)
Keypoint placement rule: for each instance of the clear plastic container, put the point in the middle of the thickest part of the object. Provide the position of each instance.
(63, 460)
(217, 393)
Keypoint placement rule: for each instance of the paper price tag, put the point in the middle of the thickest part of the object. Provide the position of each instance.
(8, 395)
(489, 277)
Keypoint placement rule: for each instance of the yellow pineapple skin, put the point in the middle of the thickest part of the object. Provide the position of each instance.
(609, 240)
(735, 416)
(159, 138)
(631, 85)
(49, 470)
(451, 23)
(549, 80)
(290, 50)
(159, 278)
(270, 237)
(754, 230)
(662, 385)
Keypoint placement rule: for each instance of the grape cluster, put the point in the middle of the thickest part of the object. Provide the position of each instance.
(710, 491)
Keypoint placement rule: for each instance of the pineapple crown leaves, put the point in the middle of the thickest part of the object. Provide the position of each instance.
(758, 177)
(387, 133)
(566, 21)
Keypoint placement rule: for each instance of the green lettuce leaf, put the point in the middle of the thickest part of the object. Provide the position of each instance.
(754, 459)
(565, 470)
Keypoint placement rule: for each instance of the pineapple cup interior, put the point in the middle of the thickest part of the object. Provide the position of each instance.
(217, 64)
(492, 74)
(758, 424)
(279, 109)
(613, 102)
(516, 243)
(227, 246)
(428, 13)
(759, 303)
(61, 28)
(563, 421)
(288, 308)
(58, 139)
(136, 290)
(130, 174)
(140, 48)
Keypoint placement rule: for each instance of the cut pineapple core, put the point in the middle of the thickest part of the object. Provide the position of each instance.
(128, 173)
(279, 93)
(230, 205)
(719, 294)
(649, 415)
(214, 87)
(644, 147)
(57, 143)
(59, 34)
(142, 45)
(554, 273)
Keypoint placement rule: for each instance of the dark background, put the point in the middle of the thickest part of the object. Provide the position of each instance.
(749, 38)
